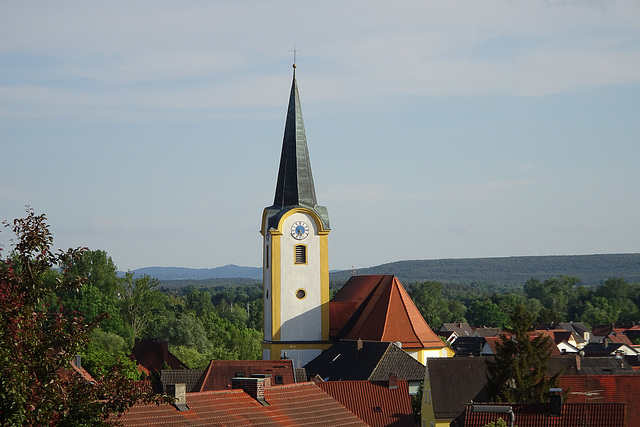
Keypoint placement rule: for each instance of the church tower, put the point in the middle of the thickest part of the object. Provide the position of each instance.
(295, 253)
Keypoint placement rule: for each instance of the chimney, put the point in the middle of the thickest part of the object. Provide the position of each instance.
(179, 393)
(77, 360)
(359, 346)
(578, 363)
(393, 381)
(555, 402)
(254, 387)
(266, 377)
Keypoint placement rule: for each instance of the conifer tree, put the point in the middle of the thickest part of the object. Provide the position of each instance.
(518, 372)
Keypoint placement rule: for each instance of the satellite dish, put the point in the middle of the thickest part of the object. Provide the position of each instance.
(398, 344)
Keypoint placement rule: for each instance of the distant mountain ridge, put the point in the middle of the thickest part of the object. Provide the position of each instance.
(590, 269)
(183, 273)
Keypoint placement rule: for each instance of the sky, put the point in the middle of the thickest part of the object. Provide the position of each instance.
(436, 129)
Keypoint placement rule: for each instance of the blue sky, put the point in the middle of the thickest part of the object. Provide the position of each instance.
(454, 129)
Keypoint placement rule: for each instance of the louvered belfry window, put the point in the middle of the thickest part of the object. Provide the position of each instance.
(300, 254)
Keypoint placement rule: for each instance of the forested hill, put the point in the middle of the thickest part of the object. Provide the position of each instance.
(590, 269)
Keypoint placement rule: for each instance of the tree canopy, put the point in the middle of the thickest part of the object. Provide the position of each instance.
(39, 338)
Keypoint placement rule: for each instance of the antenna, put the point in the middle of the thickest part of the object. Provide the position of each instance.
(295, 51)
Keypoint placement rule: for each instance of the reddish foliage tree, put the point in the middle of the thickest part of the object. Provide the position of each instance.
(38, 340)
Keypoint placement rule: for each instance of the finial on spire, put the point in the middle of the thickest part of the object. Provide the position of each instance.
(295, 51)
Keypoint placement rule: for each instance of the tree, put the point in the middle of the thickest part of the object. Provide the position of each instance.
(38, 342)
(518, 372)
(484, 312)
(99, 293)
(555, 294)
(140, 300)
(432, 305)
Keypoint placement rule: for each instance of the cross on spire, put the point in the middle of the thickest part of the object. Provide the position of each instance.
(295, 51)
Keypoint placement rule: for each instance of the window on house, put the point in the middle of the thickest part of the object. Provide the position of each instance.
(279, 379)
(300, 254)
(266, 261)
(301, 293)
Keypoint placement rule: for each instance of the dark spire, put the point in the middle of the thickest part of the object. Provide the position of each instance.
(295, 181)
(295, 187)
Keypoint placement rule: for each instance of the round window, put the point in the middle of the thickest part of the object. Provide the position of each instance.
(301, 293)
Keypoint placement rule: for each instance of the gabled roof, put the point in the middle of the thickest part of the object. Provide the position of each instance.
(462, 329)
(190, 377)
(373, 361)
(618, 336)
(447, 336)
(609, 328)
(219, 373)
(490, 345)
(577, 327)
(456, 381)
(487, 332)
(598, 365)
(75, 369)
(374, 401)
(605, 348)
(288, 405)
(606, 389)
(378, 308)
(537, 415)
(468, 346)
(557, 335)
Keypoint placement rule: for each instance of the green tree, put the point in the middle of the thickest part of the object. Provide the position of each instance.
(620, 295)
(190, 357)
(140, 301)
(188, 331)
(555, 294)
(99, 293)
(105, 352)
(598, 311)
(484, 312)
(518, 372)
(37, 342)
(432, 305)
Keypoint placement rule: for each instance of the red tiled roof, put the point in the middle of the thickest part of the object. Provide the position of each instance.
(491, 342)
(619, 337)
(373, 401)
(606, 389)
(381, 311)
(556, 335)
(289, 405)
(219, 373)
(537, 415)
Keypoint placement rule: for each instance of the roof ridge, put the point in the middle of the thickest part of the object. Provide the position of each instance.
(397, 283)
(411, 310)
(375, 368)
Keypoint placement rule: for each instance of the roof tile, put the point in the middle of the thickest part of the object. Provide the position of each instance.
(382, 311)
(373, 401)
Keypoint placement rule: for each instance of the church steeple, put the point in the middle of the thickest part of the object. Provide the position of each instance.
(294, 187)
(295, 232)
(295, 180)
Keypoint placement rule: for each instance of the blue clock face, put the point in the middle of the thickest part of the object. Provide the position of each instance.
(299, 230)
